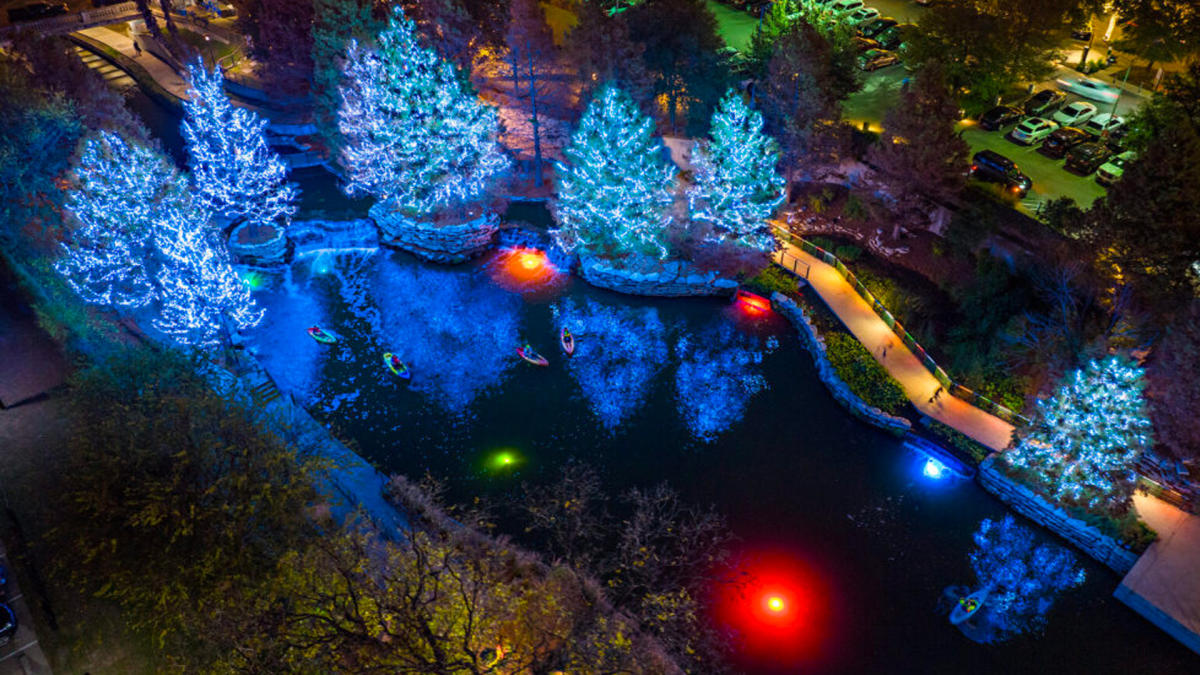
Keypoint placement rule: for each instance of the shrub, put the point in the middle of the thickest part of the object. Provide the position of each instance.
(848, 253)
(972, 448)
(772, 279)
(863, 374)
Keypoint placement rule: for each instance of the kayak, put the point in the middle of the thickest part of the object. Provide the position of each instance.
(398, 367)
(568, 341)
(321, 335)
(968, 606)
(531, 356)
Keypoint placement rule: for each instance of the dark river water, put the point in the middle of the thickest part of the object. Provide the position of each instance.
(722, 404)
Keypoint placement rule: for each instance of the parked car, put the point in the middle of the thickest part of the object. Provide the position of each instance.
(37, 10)
(1031, 130)
(1063, 139)
(862, 44)
(874, 59)
(844, 7)
(1087, 157)
(861, 16)
(1082, 33)
(992, 166)
(1044, 102)
(1075, 114)
(872, 28)
(1000, 116)
(1088, 88)
(1112, 170)
(8, 623)
(1105, 124)
(894, 36)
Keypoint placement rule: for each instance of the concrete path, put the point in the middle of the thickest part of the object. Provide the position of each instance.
(1164, 585)
(918, 383)
(158, 69)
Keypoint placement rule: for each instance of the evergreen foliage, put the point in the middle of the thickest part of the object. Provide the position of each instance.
(615, 190)
(415, 137)
(1085, 440)
(602, 50)
(335, 23)
(235, 171)
(736, 185)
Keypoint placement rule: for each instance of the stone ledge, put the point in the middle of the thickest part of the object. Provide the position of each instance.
(812, 341)
(454, 243)
(659, 279)
(1025, 501)
(273, 251)
(314, 235)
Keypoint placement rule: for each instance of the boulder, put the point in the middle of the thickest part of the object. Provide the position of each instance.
(437, 242)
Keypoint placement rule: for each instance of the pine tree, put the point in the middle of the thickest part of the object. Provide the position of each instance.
(122, 190)
(335, 22)
(530, 47)
(919, 152)
(235, 171)
(201, 298)
(736, 185)
(1087, 437)
(414, 136)
(615, 191)
(601, 49)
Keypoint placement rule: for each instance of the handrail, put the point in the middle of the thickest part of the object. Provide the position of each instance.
(954, 388)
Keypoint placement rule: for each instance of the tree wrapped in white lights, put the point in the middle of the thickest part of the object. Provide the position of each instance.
(122, 186)
(1087, 437)
(235, 171)
(201, 298)
(615, 189)
(736, 185)
(415, 137)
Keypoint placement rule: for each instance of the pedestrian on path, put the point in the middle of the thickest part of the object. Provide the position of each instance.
(936, 393)
(137, 49)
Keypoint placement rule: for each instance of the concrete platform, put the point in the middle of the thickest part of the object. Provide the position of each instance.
(1164, 585)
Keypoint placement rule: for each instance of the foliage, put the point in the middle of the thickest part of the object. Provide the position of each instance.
(969, 446)
(602, 50)
(234, 170)
(863, 374)
(919, 151)
(614, 191)
(335, 23)
(172, 499)
(531, 53)
(1084, 441)
(780, 17)
(1064, 216)
(414, 136)
(1022, 576)
(801, 97)
(279, 36)
(1173, 396)
(681, 46)
(1160, 31)
(736, 185)
(771, 280)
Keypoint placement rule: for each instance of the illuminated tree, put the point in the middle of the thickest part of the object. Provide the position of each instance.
(736, 185)
(415, 137)
(122, 191)
(201, 299)
(614, 192)
(235, 171)
(1022, 577)
(1086, 438)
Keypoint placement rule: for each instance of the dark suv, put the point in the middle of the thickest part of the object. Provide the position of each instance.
(1087, 157)
(1061, 140)
(1044, 102)
(1000, 116)
(992, 166)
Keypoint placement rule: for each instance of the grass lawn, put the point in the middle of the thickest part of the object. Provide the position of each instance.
(733, 25)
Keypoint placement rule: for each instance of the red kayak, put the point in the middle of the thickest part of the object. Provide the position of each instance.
(567, 340)
(321, 335)
(531, 356)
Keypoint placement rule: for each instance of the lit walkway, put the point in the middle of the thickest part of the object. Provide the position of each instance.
(918, 383)
(158, 69)
(1164, 585)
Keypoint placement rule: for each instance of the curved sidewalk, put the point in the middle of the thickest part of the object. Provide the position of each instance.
(887, 348)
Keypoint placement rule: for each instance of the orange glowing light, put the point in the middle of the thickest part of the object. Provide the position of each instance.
(532, 261)
(775, 604)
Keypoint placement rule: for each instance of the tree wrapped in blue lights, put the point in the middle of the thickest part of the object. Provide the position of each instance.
(736, 185)
(415, 137)
(718, 374)
(1021, 576)
(122, 188)
(615, 189)
(1086, 439)
(202, 299)
(236, 172)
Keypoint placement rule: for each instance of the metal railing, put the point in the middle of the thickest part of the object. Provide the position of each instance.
(793, 264)
(953, 388)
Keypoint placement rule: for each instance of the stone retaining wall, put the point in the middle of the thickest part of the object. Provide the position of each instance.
(530, 238)
(1031, 505)
(662, 279)
(812, 341)
(454, 243)
(273, 251)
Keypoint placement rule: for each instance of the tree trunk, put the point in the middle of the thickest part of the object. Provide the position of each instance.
(533, 119)
(516, 72)
(166, 10)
